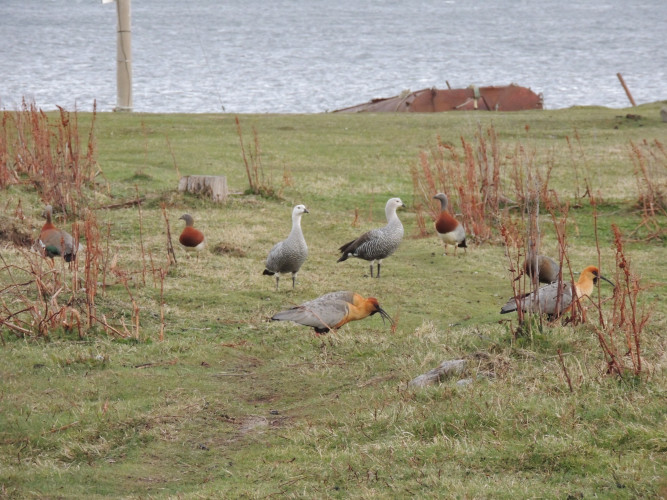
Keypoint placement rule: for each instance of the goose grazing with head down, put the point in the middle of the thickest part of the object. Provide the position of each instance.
(379, 243)
(191, 239)
(450, 230)
(55, 242)
(333, 310)
(556, 298)
(288, 256)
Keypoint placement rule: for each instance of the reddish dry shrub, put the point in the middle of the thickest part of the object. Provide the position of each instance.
(48, 154)
(477, 181)
(649, 162)
(623, 336)
(471, 181)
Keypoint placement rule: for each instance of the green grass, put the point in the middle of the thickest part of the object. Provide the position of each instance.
(232, 405)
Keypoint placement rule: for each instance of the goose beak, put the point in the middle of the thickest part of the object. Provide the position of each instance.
(384, 315)
(608, 281)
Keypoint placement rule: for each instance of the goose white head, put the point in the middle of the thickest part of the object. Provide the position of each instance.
(299, 210)
(392, 205)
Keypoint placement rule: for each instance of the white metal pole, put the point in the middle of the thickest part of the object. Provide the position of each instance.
(124, 56)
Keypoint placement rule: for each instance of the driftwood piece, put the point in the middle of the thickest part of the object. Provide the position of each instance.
(213, 185)
(445, 369)
(123, 204)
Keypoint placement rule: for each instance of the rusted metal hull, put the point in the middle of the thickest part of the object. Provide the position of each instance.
(505, 98)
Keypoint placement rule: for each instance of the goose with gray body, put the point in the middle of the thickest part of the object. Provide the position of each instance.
(333, 310)
(380, 243)
(288, 256)
(556, 298)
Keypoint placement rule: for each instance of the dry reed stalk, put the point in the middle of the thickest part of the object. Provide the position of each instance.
(396, 319)
(163, 274)
(421, 222)
(288, 180)
(257, 159)
(627, 318)
(594, 204)
(153, 270)
(106, 259)
(649, 159)
(135, 313)
(173, 157)
(141, 239)
(565, 372)
(559, 215)
(581, 153)
(92, 263)
(355, 222)
(171, 255)
(108, 328)
(243, 153)
(252, 161)
(510, 233)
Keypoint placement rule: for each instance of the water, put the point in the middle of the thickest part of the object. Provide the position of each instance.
(309, 56)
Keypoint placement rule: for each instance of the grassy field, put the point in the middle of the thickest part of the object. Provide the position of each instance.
(231, 405)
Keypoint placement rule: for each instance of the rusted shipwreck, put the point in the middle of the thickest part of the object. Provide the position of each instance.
(503, 98)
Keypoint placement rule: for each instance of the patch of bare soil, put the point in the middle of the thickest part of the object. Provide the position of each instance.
(12, 231)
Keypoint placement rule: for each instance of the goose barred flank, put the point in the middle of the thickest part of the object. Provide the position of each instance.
(288, 256)
(377, 244)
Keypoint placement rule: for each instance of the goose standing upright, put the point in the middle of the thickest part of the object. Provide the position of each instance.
(450, 230)
(377, 244)
(55, 242)
(556, 298)
(288, 256)
(332, 311)
(191, 239)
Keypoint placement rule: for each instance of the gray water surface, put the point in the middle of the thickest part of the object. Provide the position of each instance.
(290, 56)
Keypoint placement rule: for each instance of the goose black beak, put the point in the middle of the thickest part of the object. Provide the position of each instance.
(608, 281)
(384, 315)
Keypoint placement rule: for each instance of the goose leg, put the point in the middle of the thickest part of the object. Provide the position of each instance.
(371, 269)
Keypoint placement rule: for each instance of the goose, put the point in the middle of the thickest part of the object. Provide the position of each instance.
(546, 300)
(450, 230)
(288, 256)
(377, 244)
(333, 310)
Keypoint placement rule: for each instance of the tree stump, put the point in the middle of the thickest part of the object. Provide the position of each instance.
(213, 185)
